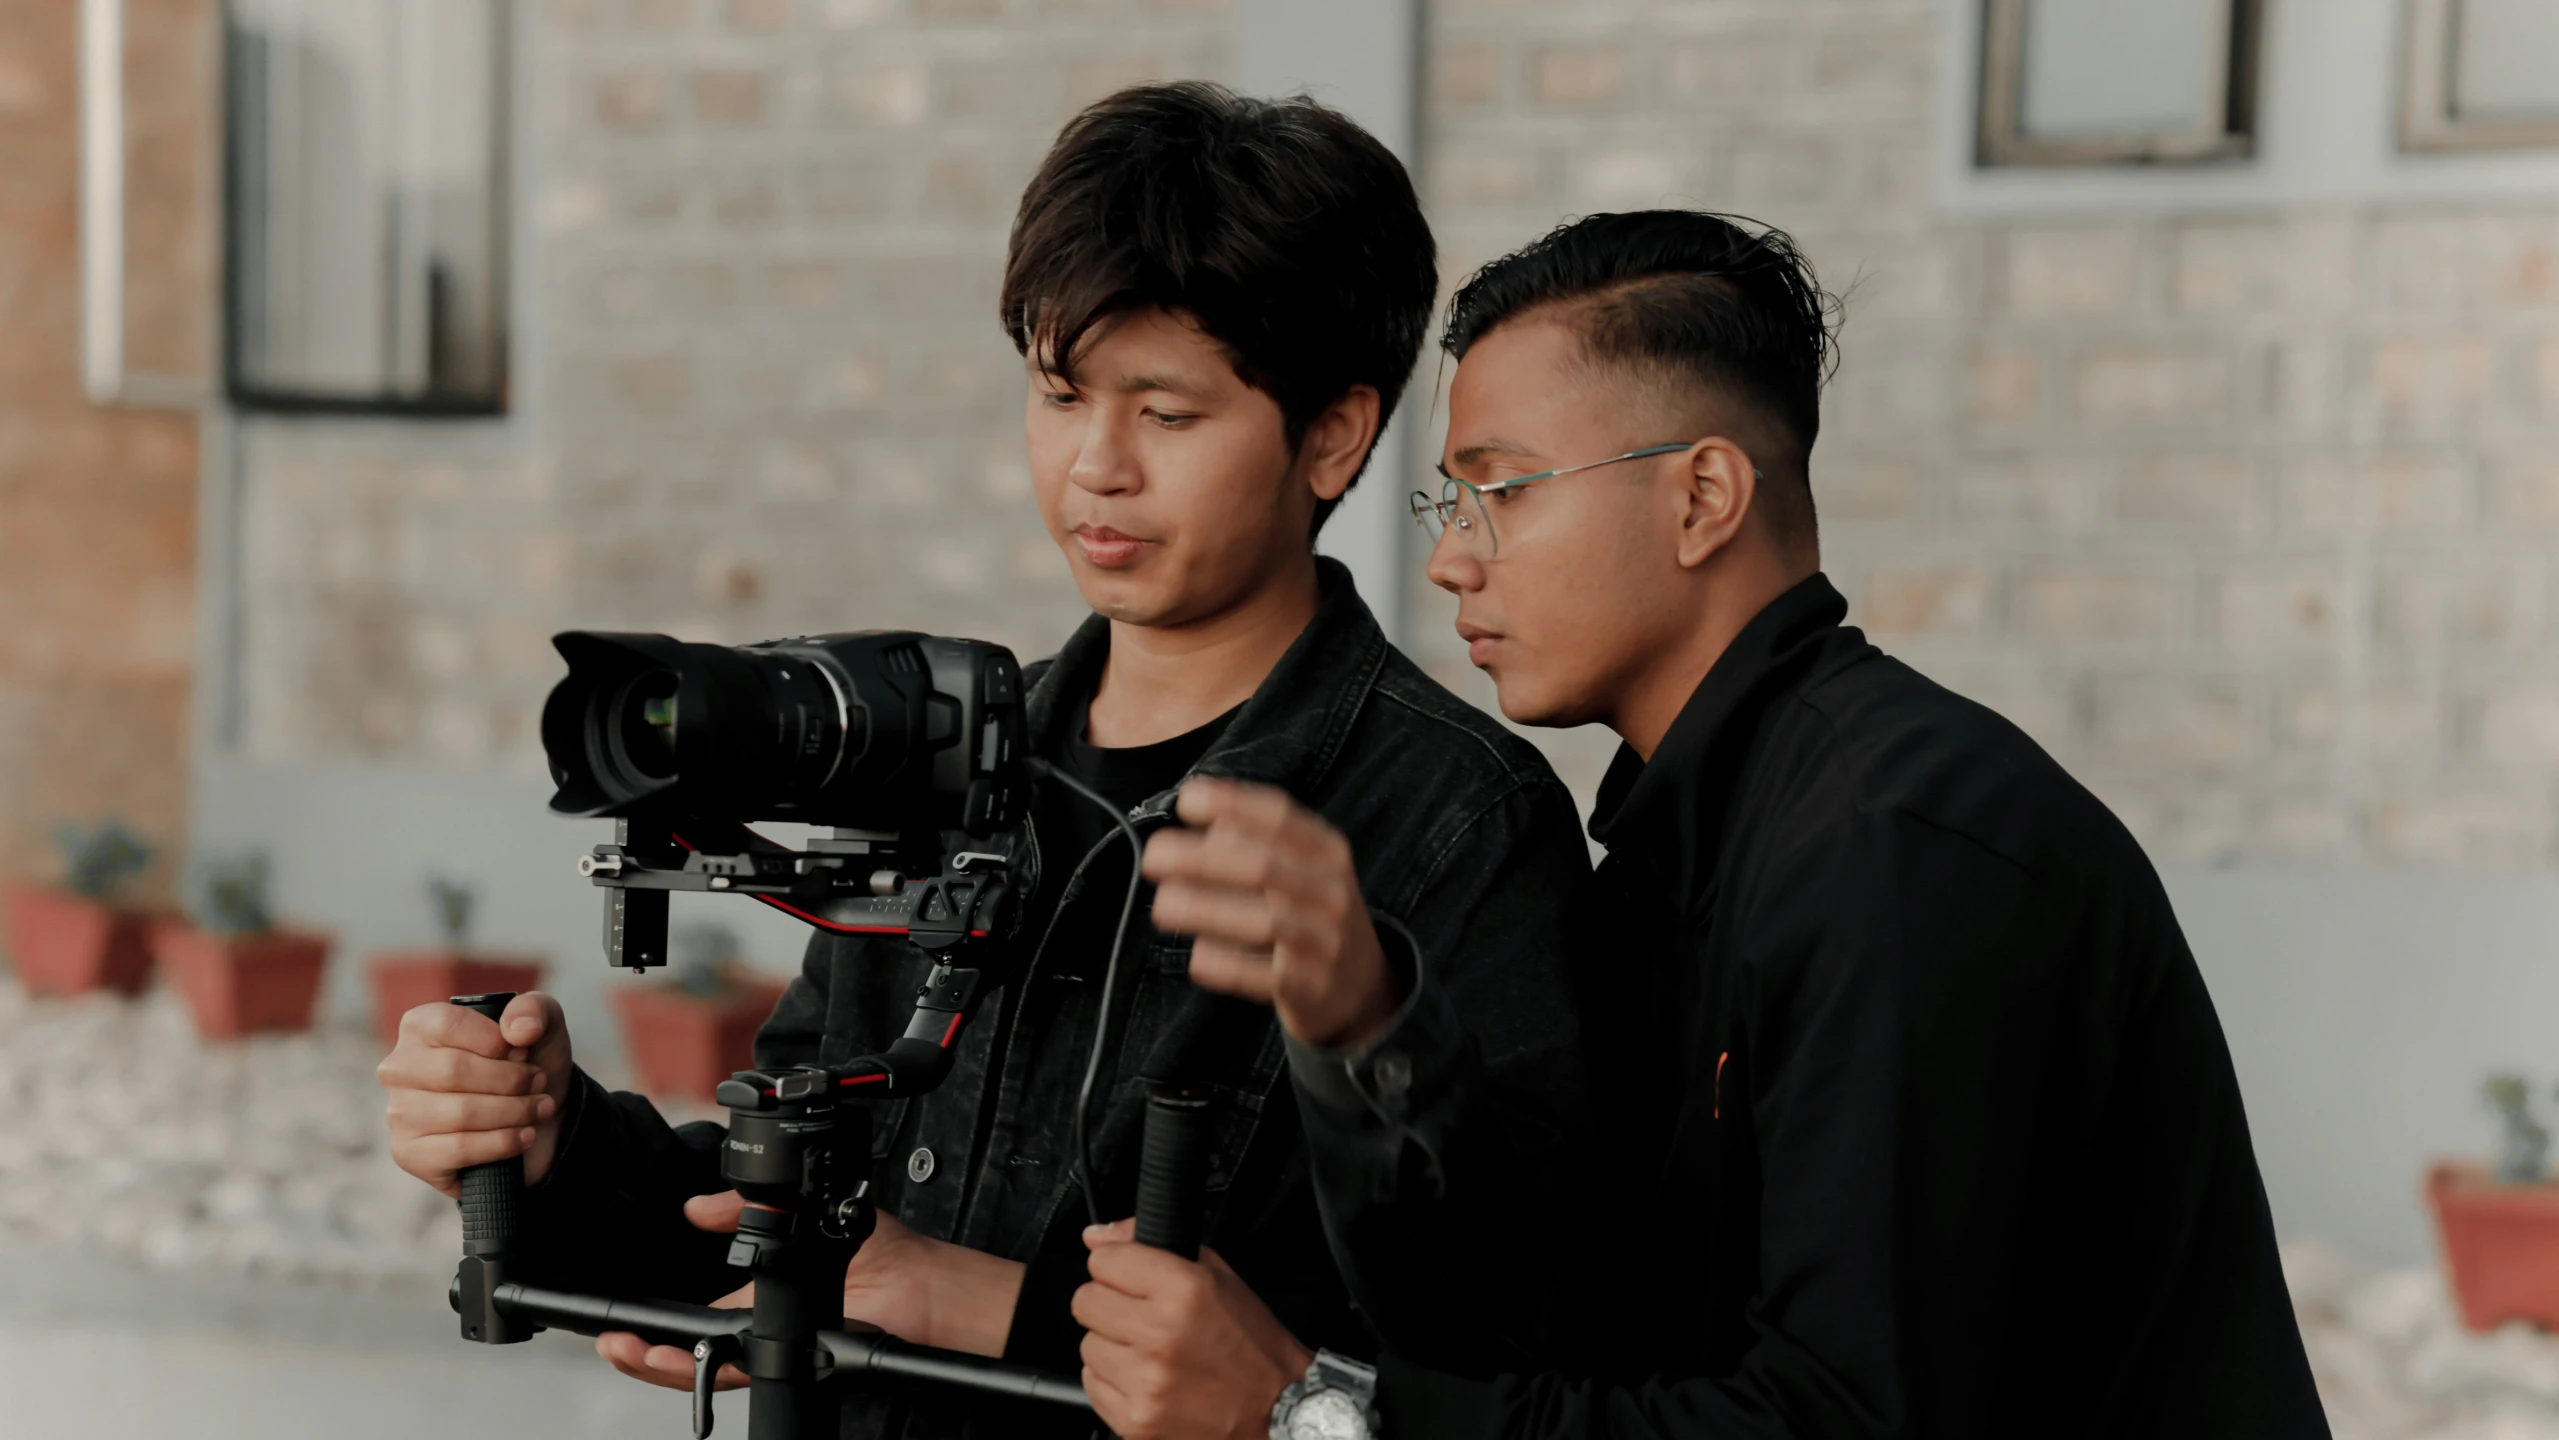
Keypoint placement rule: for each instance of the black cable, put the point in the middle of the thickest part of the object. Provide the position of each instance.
(1084, 1177)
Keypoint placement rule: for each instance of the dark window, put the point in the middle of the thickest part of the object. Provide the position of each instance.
(2482, 75)
(366, 209)
(2089, 82)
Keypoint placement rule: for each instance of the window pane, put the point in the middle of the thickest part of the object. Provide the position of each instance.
(2098, 68)
(368, 210)
(2506, 64)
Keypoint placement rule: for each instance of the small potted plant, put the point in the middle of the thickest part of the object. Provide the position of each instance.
(76, 937)
(688, 1034)
(405, 979)
(2500, 1224)
(240, 971)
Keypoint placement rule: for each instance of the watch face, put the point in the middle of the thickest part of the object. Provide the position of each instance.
(1327, 1415)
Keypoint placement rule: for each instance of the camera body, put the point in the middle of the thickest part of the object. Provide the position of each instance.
(879, 730)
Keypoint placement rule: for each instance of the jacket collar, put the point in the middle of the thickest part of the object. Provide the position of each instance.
(1668, 815)
(1291, 730)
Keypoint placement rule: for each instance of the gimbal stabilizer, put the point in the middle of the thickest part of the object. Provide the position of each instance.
(798, 1138)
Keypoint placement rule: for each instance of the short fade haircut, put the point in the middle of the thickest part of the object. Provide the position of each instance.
(1721, 302)
(1283, 229)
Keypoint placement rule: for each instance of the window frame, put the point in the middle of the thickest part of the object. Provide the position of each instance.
(2428, 123)
(247, 393)
(2226, 130)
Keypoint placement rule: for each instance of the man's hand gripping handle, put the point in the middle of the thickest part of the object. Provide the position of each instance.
(492, 1205)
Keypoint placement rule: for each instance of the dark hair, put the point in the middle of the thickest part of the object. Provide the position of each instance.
(1727, 303)
(1283, 229)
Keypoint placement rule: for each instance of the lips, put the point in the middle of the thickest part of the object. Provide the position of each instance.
(1480, 642)
(1107, 548)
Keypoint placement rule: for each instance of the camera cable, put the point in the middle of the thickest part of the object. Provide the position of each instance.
(1084, 1168)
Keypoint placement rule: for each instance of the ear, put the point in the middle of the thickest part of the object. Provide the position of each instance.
(1722, 484)
(1338, 441)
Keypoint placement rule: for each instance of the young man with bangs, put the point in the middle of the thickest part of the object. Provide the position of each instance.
(1219, 301)
(1925, 1125)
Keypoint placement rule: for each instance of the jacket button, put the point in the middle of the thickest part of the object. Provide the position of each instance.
(919, 1166)
(1394, 1072)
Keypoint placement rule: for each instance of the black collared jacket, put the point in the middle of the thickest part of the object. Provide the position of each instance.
(1928, 1126)
(1470, 854)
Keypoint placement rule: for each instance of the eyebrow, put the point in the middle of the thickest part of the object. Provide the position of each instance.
(1140, 384)
(1483, 450)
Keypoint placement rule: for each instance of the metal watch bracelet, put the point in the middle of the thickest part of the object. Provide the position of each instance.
(1336, 1400)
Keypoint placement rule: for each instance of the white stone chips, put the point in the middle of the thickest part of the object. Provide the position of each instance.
(120, 1131)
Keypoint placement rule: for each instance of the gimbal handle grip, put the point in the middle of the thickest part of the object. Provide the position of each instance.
(1172, 1171)
(492, 1194)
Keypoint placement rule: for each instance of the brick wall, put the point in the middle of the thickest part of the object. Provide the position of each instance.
(767, 393)
(97, 506)
(2249, 519)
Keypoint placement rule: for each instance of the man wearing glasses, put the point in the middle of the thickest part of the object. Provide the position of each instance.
(1921, 1120)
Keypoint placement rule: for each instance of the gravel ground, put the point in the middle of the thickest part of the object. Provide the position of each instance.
(2394, 1363)
(122, 1133)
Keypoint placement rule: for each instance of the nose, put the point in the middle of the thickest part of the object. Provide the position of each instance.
(1104, 463)
(1453, 567)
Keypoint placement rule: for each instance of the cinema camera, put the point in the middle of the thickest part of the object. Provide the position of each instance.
(906, 750)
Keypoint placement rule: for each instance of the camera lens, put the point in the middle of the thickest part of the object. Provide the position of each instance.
(644, 725)
(870, 730)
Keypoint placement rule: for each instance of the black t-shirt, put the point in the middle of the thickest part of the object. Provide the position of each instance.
(1070, 824)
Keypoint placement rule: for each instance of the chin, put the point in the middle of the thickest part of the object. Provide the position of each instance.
(1118, 595)
(1526, 703)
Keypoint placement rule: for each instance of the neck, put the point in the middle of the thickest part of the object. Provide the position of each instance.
(1730, 598)
(1165, 680)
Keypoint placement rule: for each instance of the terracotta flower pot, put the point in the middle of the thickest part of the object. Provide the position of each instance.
(66, 944)
(2500, 1244)
(406, 979)
(236, 984)
(683, 1044)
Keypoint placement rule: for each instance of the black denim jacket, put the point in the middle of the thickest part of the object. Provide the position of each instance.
(1468, 850)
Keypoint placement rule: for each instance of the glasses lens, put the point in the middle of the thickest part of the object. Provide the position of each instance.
(1427, 515)
(1474, 526)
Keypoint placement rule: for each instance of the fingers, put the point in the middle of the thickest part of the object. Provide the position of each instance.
(455, 1027)
(1208, 800)
(433, 1158)
(1118, 1232)
(663, 1365)
(1233, 970)
(436, 1112)
(715, 1212)
(1145, 1272)
(1244, 917)
(1305, 853)
(422, 1064)
(1110, 1402)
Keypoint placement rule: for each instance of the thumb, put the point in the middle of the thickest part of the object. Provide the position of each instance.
(534, 1023)
(714, 1212)
(1118, 1232)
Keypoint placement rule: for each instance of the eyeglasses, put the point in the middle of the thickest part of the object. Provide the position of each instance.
(1463, 505)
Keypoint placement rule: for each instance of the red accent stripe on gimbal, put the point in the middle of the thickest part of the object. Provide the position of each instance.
(835, 926)
(954, 1030)
(864, 1079)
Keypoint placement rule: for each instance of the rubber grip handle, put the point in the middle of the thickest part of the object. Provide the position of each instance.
(1172, 1171)
(492, 1194)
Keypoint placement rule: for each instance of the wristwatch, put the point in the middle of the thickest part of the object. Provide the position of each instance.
(1336, 1401)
